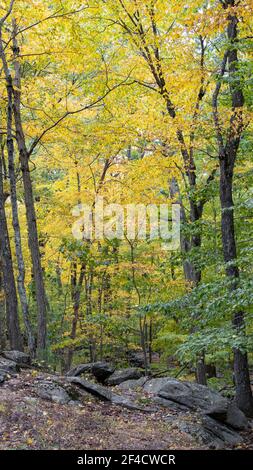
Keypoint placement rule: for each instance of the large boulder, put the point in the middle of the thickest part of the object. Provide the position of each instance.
(19, 357)
(49, 390)
(123, 375)
(154, 386)
(228, 413)
(182, 395)
(80, 369)
(106, 394)
(133, 384)
(194, 396)
(210, 432)
(172, 405)
(236, 418)
(102, 370)
(8, 366)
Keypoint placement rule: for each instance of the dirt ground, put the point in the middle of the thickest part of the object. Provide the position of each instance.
(29, 422)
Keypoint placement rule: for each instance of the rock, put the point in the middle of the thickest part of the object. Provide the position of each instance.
(184, 396)
(75, 403)
(218, 410)
(229, 414)
(194, 396)
(61, 383)
(106, 394)
(210, 432)
(80, 369)
(220, 432)
(133, 384)
(94, 389)
(136, 359)
(102, 370)
(18, 357)
(155, 385)
(236, 418)
(8, 366)
(51, 391)
(170, 404)
(155, 358)
(2, 378)
(5, 375)
(31, 401)
(123, 375)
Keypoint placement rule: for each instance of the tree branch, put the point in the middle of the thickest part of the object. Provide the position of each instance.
(4, 18)
(71, 113)
(215, 105)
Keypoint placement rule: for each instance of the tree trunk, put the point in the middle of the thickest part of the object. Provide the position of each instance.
(201, 370)
(12, 320)
(191, 274)
(241, 370)
(33, 238)
(228, 150)
(76, 287)
(2, 310)
(15, 220)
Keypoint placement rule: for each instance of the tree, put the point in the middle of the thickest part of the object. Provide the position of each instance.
(228, 150)
(147, 28)
(12, 320)
(14, 203)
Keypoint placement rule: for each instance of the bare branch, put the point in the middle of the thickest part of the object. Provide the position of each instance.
(4, 18)
(71, 113)
(215, 104)
(55, 15)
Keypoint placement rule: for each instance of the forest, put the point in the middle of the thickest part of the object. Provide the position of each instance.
(126, 206)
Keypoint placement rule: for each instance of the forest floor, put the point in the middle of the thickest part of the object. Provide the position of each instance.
(29, 422)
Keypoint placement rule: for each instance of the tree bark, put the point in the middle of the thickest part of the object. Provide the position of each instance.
(33, 238)
(227, 158)
(15, 222)
(241, 370)
(2, 310)
(201, 370)
(76, 287)
(12, 320)
(191, 274)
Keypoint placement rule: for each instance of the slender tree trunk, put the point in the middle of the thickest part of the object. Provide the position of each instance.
(58, 277)
(19, 256)
(191, 274)
(12, 320)
(201, 369)
(33, 238)
(2, 310)
(15, 222)
(89, 309)
(150, 352)
(76, 287)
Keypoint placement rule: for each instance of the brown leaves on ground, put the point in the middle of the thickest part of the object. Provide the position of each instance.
(28, 422)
